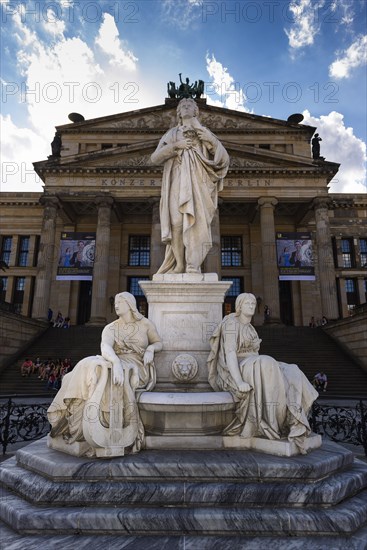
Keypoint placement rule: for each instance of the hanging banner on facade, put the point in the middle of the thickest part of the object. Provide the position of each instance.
(76, 257)
(295, 257)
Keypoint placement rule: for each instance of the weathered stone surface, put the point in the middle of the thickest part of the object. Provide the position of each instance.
(187, 499)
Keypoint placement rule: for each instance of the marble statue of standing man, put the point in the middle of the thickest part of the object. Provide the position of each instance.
(195, 163)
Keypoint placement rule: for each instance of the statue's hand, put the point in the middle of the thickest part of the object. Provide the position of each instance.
(148, 357)
(244, 387)
(205, 135)
(118, 374)
(183, 144)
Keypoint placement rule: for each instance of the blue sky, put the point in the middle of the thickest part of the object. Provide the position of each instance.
(269, 57)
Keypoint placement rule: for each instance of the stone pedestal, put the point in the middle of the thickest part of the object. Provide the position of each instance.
(204, 499)
(185, 308)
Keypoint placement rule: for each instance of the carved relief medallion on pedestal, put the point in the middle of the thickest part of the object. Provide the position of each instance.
(184, 367)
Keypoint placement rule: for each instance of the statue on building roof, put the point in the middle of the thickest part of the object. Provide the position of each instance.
(185, 90)
(56, 146)
(316, 147)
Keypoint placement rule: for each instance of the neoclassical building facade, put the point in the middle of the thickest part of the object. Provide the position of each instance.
(100, 180)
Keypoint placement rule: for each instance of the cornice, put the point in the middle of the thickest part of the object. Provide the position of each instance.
(160, 131)
(19, 202)
(311, 171)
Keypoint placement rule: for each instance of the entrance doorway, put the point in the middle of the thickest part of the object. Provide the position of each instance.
(85, 302)
(285, 302)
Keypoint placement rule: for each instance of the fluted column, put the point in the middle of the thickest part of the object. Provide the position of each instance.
(41, 301)
(329, 301)
(269, 257)
(100, 269)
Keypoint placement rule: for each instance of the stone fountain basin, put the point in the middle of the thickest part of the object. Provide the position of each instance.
(186, 413)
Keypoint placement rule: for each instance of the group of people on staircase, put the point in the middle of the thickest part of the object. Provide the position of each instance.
(52, 371)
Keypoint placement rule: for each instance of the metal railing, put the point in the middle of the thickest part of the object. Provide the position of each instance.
(22, 422)
(342, 424)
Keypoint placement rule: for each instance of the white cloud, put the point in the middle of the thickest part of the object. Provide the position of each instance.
(18, 146)
(109, 42)
(351, 58)
(181, 13)
(339, 144)
(230, 92)
(53, 24)
(305, 23)
(60, 76)
(345, 12)
(65, 76)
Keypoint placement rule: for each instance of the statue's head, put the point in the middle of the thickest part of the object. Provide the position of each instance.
(187, 107)
(245, 302)
(126, 298)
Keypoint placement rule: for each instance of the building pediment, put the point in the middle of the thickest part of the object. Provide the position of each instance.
(163, 117)
(123, 143)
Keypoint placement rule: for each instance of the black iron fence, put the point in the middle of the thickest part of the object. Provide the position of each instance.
(21, 422)
(343, 424)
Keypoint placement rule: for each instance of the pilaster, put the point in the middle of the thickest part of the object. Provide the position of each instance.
(328, 291)
(269, 257)
(100, 269)
(46, 256)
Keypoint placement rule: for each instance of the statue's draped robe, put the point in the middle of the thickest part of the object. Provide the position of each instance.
(281, 396)
(198, 173)
(86, 381)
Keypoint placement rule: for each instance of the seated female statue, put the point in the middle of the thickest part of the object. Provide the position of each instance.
(273, 398)
(97, 402)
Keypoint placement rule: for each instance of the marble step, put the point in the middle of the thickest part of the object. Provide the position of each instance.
(327, 492)
(15, 541)
(344, 519)
(164, 466)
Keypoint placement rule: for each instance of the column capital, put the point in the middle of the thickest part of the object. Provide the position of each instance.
(104, 200)
(321, 202)
(50, 201)
(267, 201)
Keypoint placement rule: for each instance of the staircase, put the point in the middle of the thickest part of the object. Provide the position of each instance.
(184, 499)
(311, 349)
(75, 342)
(314, 351)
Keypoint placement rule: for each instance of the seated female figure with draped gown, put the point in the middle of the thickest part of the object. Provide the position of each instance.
(273, 398)
(97, 402)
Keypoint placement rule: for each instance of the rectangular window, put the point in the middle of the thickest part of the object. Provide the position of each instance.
(135, 290)
(231, 251)
(23, 251)
(363, 252)
(18, 295)
(352, 293)
(6, 249)
(348, 253)
(335, 251)
(233, 292)
(365, 290)
(36, 250)
(134, 287)
(139, 250)
(3, 287)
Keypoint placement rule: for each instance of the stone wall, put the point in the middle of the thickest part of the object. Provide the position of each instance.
(16, 334)
(351, 333)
